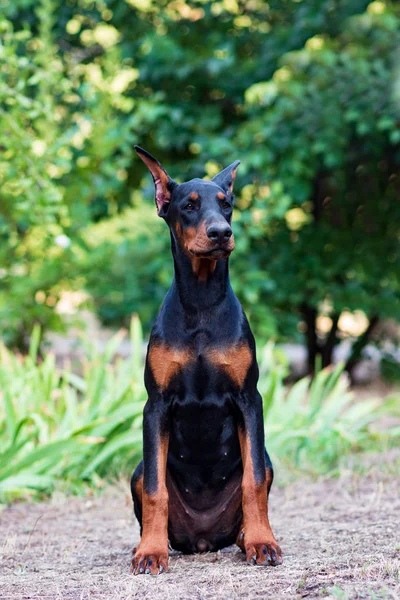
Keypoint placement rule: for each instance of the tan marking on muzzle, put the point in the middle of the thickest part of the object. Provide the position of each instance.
(196, 241)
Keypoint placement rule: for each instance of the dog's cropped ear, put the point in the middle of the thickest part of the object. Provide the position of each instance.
(162, 181)
(226, 178)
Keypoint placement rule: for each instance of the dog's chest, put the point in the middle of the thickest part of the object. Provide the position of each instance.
(199, 361)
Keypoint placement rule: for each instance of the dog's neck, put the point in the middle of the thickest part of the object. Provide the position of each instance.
(201, 283)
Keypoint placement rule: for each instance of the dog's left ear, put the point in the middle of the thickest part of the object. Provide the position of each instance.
(162, 181)
(226, 178)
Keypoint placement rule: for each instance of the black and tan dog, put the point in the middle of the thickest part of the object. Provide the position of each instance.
(205, 476)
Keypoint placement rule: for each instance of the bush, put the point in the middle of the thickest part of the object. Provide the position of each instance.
(60, 428)
(315, 425)
(128, 266)
(65, 143)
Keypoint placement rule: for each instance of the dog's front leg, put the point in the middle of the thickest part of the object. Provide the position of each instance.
(255, 537)
(151, 556)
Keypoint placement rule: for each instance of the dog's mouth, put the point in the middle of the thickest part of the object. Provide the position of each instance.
(216, 253)
(212, 251)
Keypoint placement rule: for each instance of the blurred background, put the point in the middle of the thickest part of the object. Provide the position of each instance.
(305, 93)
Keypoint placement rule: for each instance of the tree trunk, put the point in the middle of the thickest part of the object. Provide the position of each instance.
(314, 346)
(325, 349)
(330, 342)
(310, 317)
(359, 345)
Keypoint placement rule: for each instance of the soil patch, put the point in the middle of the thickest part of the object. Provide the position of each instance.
(340, 539)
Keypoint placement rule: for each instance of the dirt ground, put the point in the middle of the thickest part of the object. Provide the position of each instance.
(340, 538)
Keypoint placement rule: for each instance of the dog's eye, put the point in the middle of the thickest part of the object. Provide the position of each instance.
(189, 206)
(226, 204)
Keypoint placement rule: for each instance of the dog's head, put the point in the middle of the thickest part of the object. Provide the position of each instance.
(198, 212)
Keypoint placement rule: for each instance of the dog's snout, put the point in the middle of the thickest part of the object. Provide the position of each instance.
(219, 233)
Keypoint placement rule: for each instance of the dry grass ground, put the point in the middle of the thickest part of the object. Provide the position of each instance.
(340, 538)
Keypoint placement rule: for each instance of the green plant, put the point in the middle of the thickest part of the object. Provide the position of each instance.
(317, 423)
(56, 426)
(128, 266)
(337, 592)
(65, 141)
(323, 217)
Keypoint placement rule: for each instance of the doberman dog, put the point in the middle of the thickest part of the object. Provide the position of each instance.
(205, 476)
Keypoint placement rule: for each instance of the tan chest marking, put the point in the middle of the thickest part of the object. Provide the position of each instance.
(234, 361)
(165, 362)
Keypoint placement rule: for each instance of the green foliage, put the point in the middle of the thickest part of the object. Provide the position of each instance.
(28, 197)
(316, 424)
(58, 429)
(61, 429)
(128, 266)
(324, 130)
(64, 145)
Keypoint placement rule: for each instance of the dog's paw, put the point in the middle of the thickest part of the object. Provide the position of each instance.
(149, 562)
(260, 553)
(263, 554)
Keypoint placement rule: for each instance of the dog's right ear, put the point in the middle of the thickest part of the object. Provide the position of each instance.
(162, 181)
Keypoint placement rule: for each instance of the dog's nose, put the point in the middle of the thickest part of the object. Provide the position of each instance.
(219, 233)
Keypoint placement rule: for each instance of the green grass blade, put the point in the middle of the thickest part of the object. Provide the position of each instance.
(124, 440)
(34, 344)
